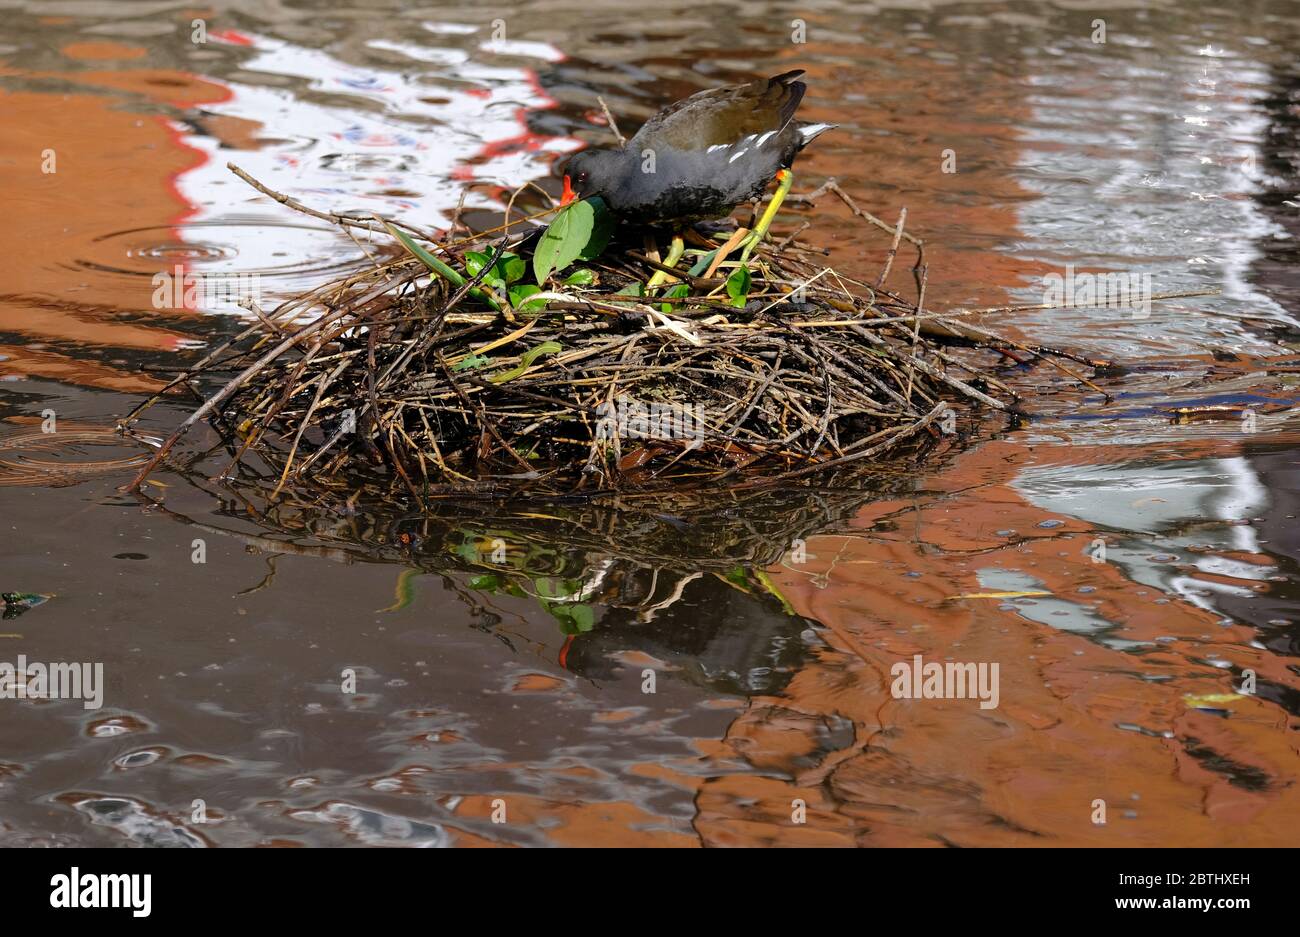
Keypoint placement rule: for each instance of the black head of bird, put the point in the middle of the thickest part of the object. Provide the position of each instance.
(593, 172)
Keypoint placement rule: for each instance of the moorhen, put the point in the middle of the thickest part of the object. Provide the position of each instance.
(701, 157)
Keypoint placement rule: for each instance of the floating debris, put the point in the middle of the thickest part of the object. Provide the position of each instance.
(999, 595)
(17, 603)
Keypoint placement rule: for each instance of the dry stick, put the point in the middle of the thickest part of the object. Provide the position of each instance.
(613, 124)
(501, 227)
(957, 328)
(306, 420)
(186, 374)
(437, 451)
(1031, 307)
(347, 220)
(249, 373)
(705, 282)
(940, 375)
(786, 242)
(920, 304)
(331, 217)
(204, 362)
(893, 249)
(339, 433)
(758, 395)
(272, 327)
(470, 284)
(830, 185)
(826, 415)
(731, 244)
(595, 450)
(825, 369)
(899, 233)
(1052, 361)
(896, 435)
(785, 296)
(460, 208)
(255, 436)
(291, 390)
(385, 436)
(863, 373)
(482, 415)
(967, 366)
(527, 394)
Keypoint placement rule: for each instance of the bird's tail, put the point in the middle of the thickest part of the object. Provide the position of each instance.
(810, 132)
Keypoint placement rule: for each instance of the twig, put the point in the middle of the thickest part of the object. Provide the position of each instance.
(611, 123)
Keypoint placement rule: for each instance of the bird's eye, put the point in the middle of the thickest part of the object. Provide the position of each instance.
(582, 177)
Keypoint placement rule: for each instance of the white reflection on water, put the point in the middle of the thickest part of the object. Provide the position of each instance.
(1169, 515)
(1146, 161)
(399, 140)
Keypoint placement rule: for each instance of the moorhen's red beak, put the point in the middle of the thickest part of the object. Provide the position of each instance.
(568, 195)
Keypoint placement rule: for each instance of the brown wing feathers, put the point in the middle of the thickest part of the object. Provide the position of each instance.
(725, 115)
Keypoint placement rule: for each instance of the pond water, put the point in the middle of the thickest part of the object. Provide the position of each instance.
(1128, 572)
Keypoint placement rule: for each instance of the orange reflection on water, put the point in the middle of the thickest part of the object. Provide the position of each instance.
(113, 169)
(945, 771)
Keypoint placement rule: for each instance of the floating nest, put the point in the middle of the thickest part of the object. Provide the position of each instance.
(433, 373)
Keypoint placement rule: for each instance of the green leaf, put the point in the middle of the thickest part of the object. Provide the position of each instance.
(438, 267)
(580, 230)
(736, 575)
(681, 289)
(635, 288)
(602, 229)
(508, 268)
(583, 277)
(488, 582)
(512, 267)
(583, 617)
(525, 361)
(738, 286)
(573, 619)
(472, 361)
(703, 263)
(475, 261)
(771, 587)
(518, 295)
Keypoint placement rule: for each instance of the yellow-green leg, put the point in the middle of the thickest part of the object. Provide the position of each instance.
(784, 179)
(675, 251)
